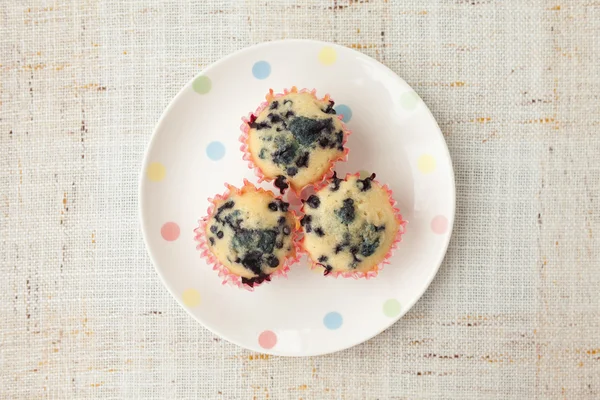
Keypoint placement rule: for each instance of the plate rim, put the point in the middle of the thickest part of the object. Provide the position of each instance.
(142, 183)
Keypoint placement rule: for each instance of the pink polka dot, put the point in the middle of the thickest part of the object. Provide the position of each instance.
(439, 224)
(170, 231)
(267, 339)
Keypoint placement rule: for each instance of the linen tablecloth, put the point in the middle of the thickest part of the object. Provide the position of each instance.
(515, 309)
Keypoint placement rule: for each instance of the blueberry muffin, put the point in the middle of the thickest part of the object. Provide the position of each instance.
(251, 233)
(350, 225)
(295, 139)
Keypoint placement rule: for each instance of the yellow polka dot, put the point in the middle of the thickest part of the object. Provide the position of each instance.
(327, 55)
(191, 297)
(426, 163)
(156, 172)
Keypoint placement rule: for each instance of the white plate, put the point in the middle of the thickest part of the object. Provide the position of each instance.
(195, 150)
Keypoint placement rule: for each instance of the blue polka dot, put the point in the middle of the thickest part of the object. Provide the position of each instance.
(345, 111)
(333, 320)
(261, 70)
(215, 150)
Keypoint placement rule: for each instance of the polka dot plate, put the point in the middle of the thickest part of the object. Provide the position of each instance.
(195, 150)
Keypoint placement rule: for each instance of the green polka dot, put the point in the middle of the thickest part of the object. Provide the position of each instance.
(202, 84)
(327, 55)
(409, 100)
(391, 308)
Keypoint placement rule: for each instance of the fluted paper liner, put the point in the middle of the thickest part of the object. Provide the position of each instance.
(224, 272)
(378, 267)
(245, 128)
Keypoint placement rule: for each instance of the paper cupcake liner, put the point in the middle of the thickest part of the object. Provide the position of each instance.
(244, 137)
(378, 267)
(229, 277)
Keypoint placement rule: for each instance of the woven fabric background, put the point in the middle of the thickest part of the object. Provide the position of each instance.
(515, 309)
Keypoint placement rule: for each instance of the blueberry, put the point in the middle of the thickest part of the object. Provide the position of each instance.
(303, 160)
(214, 229)
(339, 137)
(353, 251)
(338, 248)
(328, 269)
(365, 184)
(290, 114)
(272, 261)
(313, 201)
(225, 206)
(275, 118)
(288, 101)
(222, 208)
(273, 206)
(308, 130)
(283, 206)
(256, 280)
(292, 171)
(262, 154)
(324, 142)
(244, 239)
(323, 258)
(266, 240)
(285, 153)
(281, 184)
(263, 125)
(308, 228)
(211, 240)
(306, 220)
(281, 220)
(286, 230)
(380, 228)
(335, 182)
(319, 232)
(220, 234)
(279, 244)
(346, 213)
(233, 221)
(274, 105)
(368, 248)
(329, 109)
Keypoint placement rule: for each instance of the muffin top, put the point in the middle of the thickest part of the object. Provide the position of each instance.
(349, 225)
(250, 232)
(295, 139)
